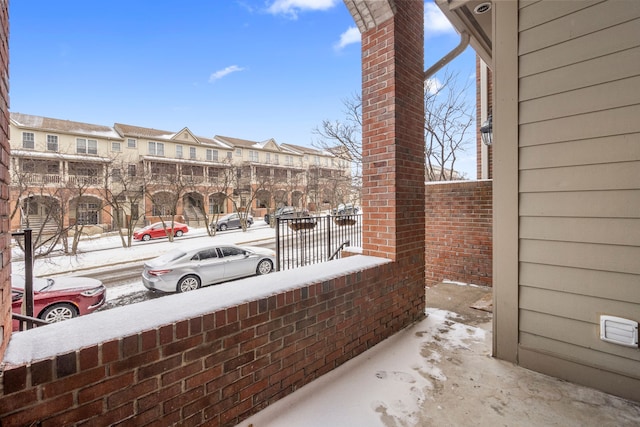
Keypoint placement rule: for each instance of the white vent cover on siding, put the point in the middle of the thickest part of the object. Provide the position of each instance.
(619, 331)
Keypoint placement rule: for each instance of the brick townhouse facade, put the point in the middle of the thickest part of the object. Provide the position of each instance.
(80, 165)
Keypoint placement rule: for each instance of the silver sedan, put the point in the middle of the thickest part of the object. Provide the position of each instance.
(187, 269)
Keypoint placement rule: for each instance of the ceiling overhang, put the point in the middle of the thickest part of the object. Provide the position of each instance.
(369, 14)
(475, 18)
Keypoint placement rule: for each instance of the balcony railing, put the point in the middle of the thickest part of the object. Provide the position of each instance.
(40, 178)
(314, 239)
(84, 180)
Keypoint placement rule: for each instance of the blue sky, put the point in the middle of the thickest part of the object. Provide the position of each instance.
(250, 69)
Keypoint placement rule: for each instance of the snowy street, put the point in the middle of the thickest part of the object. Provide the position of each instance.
(106, 252)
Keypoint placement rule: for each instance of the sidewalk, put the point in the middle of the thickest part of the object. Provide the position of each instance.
(439, 372)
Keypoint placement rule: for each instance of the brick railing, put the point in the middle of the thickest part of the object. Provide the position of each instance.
(458, 240)
(214, 356)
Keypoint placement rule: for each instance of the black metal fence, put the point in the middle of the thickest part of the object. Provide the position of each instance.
(314, 239)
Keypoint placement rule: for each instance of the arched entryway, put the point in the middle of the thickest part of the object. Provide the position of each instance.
(41, 213)
(193, 209)
(297, 199)
(85, 210)
(217, 203)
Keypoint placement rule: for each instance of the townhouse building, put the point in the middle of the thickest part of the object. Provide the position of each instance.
(65, 173)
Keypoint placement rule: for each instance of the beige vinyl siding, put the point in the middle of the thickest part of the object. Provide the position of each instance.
(579, 180)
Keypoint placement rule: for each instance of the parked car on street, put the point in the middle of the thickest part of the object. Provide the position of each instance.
(285, 212)
(345, 209)
(230, 221)
(59, 298)
(187, 269)
(156, 230)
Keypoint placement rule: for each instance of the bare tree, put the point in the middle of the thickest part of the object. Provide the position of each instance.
(217, 186)
(76, 196)
(123, 192)
(344, 138)
(448, 119)
(165, 186)
(248, 182)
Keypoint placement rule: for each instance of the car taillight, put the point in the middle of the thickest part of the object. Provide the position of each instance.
(158, 272)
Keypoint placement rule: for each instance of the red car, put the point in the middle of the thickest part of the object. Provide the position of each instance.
(156, 230)
(60, 298)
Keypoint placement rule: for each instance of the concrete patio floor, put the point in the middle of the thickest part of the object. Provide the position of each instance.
(439, 372)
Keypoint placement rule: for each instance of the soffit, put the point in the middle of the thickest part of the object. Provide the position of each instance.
(467, 15)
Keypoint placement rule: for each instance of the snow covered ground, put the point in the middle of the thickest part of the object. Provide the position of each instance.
(106, 251)
(385, 386)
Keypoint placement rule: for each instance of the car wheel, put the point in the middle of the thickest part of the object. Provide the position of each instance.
(264, 267)
(178, 233)
(223, 227)
(146, 237)
(188, 283)
(58, 313)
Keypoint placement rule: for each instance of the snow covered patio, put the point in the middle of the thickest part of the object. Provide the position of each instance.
(439, 372)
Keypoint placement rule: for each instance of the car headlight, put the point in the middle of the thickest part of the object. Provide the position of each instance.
(92, 292)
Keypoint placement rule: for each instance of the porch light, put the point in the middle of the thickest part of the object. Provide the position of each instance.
(482, 8)
(486, 131)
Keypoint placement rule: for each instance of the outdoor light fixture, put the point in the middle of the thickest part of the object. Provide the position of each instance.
(482, 8)
(486, 131)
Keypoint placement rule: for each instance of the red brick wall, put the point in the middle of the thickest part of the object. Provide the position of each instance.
(393, 136)
(459, 232)
(218, 368)
(5, 232)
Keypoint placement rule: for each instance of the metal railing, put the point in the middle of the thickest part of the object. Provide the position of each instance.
(26, 319)
(314, 239)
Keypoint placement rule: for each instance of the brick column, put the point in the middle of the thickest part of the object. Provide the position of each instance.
(393, 191)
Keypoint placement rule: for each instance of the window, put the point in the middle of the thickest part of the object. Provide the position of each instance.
(86, 146)
(276, 160)
(206, 254)
(87, 213)
(253, 156)
(28, 166)
(178, 151)
(192, 153)
(231, 251)
(28, 141)
(132, 170)
(288, 160)
(52, 142)
(53, 168)
(212, 155)
(116, 146)
(131, 143)
(229, 155)
(239, 152)
(117, 174)
(156, 148)
(268, 159)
